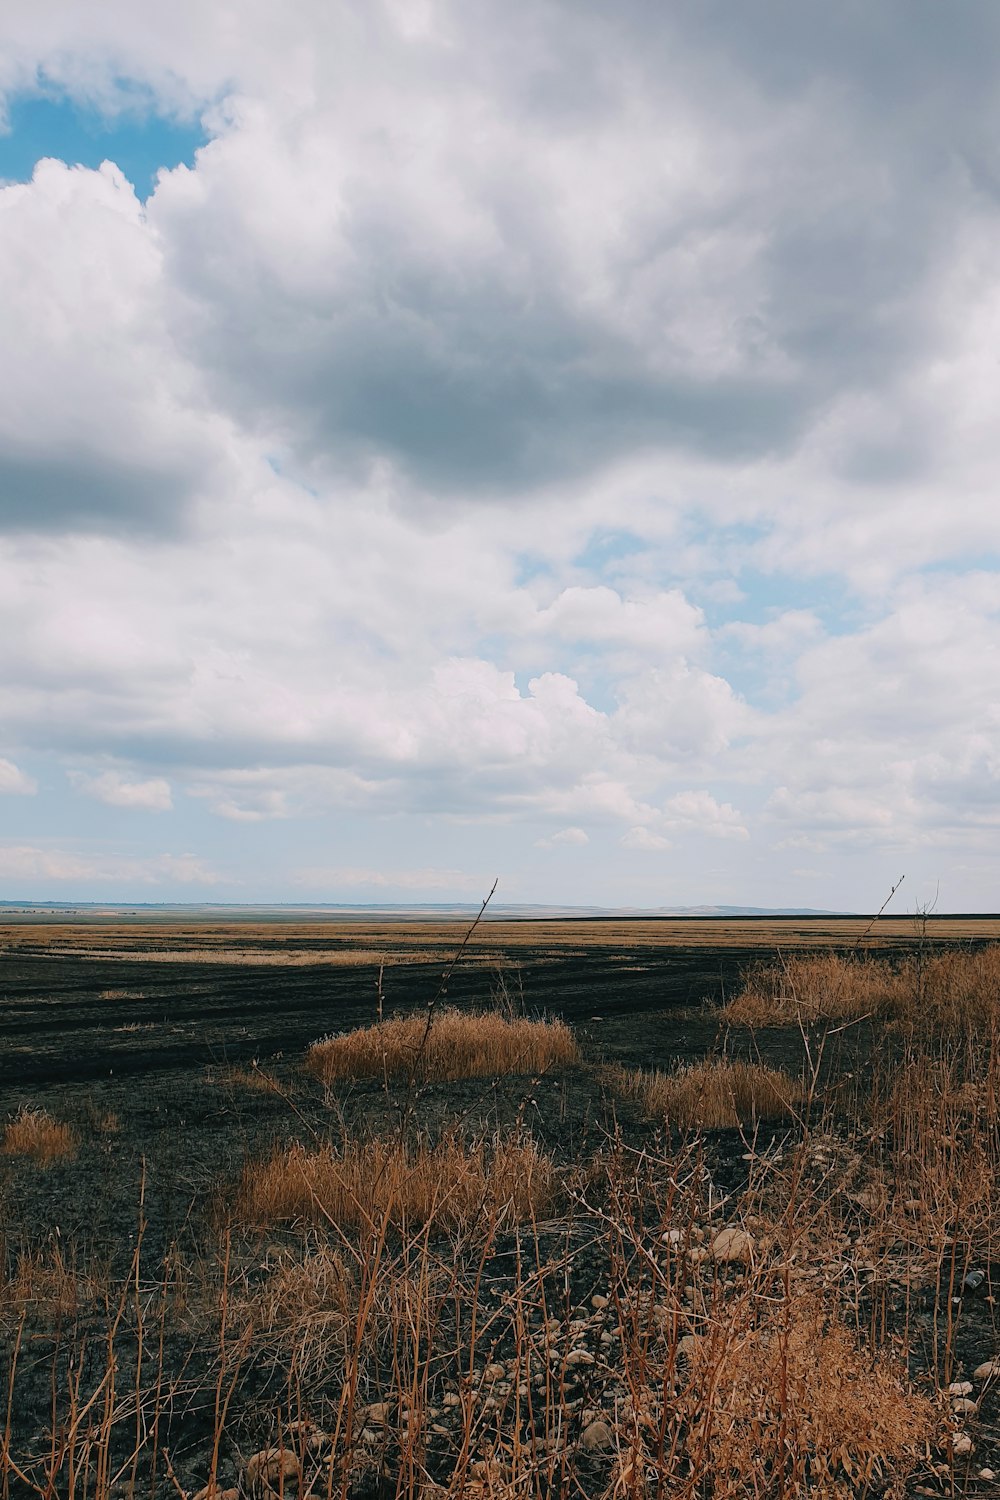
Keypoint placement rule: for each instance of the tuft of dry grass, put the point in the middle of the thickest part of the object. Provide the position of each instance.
(459, 1044)
(371, 1183)
(46, 1282)
(712, 1095)
(34, 1133)
(819, 987)
(253, 1078)
(954, 992)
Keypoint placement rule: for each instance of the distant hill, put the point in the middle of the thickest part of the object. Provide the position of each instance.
(427, 910)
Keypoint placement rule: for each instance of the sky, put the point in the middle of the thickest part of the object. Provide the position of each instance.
(451, 439)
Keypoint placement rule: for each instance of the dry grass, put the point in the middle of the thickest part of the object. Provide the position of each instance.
(950, 992)
(459, 1044)
(45, 1282)
(34, 1133)
(712, 1095)
(379, 1182)
(256, 1079)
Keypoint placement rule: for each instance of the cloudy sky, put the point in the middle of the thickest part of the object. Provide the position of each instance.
(449, 438)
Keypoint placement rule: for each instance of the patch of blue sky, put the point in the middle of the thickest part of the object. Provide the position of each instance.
(604, 548)
(766, 596)
(137, 139)
(528, 566)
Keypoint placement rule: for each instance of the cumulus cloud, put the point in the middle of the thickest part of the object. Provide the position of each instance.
(116, 790)
(15, 782)
(572, 836)
(525, 417)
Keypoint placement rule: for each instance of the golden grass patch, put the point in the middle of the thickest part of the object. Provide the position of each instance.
(950, 992)
(712, 1095)
(459, 1044)
(34, 1133)
(375, 1182)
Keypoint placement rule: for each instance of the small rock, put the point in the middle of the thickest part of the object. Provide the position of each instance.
(377, 1414)
(961, 1444)
(732, 1244)
(672, 1237)
(987, 1371)
(597, 1436)
(688, 1345)
(451, 1398)
(960, 1388)
(598, 1301)
(215, 1492)
(698, 1254)
(272, 1471)
(494, 1372)
(963, 1407)
(987, 1474)
(579, 1357)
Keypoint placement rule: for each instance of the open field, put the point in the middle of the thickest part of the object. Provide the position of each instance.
(648, 1252)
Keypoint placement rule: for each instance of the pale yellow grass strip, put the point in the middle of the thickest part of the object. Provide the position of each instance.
(460, 1044)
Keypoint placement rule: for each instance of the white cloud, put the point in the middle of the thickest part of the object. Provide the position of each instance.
(347, 877)
(515, 417)
(31, 862)
(15, 782)
(700, 812)
(574, 836)
(117, 790)
(644, 838)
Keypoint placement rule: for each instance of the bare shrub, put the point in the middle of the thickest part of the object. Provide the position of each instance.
(712, 1095)
(459, 1044)
(34, 1133)
(375, 1182)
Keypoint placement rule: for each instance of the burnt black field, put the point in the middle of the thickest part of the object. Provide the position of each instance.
(142, 1038)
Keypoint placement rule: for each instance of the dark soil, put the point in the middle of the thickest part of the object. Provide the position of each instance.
(156, 1065)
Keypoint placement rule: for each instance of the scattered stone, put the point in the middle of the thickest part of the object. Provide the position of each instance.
(597, 1436)
(599, 1301)
(215, 1492)
(451, 1398)
(672, 1237)
(961, 1444)
(732, 1244)
(960, 1388)
(377, 1414)
(272, 1471)
(579, 1357)
(494, 1372)
(963, 1407)
(987, 1474)
(688, 1345)
(987, 1371)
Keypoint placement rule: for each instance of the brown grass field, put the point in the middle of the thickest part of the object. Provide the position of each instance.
(623, 1211)
(370, 943)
